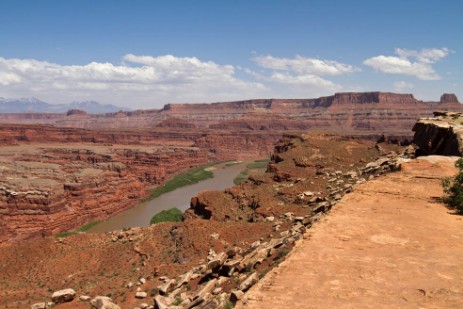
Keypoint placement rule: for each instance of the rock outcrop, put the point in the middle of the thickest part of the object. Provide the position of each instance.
(441, 135)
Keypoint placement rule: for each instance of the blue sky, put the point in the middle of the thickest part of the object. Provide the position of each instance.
(143, 54)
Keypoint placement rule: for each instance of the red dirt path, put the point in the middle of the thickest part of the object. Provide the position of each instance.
(389, 244)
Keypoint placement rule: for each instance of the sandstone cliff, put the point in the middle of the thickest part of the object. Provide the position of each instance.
(442, 134)
(365, 112)
(47, 189)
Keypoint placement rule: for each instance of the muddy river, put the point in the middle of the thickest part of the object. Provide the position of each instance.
(180, 198)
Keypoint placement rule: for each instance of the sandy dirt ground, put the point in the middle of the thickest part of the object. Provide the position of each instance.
(389, 244)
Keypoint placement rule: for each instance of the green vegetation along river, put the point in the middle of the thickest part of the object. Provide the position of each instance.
(141, 214)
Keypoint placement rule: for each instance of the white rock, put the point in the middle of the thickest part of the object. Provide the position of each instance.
(270, 219)
(103, 302)
(141, 295)
(63, 296)
(84, 298)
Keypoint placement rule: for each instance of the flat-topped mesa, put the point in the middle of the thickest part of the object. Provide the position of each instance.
(243, 106)
(449, 98)
(373, 97)
(76, 112)
(287, 105)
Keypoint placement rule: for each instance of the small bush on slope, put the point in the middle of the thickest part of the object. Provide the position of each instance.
(453, 189)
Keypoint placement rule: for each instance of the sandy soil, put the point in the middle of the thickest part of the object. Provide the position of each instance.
(389, 244)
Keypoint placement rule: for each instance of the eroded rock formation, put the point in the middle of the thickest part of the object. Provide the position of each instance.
(367, 112)
(46, 189)
(441, 135)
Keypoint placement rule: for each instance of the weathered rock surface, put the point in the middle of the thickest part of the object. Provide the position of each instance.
(45, 189)
(63, 296)
(441, 134)
(103, 302)
(392, 244)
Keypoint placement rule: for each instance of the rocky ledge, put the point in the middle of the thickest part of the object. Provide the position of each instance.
(440, 135)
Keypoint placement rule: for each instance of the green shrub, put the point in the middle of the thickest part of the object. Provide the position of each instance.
(189, 177)
(170, 215)
(453, 189)
(258, 164)
(81, 229)
(240, 178)
(87, 226)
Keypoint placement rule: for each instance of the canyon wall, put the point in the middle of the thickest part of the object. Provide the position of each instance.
(56, 179)
(62, 170)
(366, 112)
(47, 189)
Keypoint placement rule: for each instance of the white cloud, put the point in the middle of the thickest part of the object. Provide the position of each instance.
(140, 81)
(303, 75)
(304, 65)
(401, 85)
(303, 80)
(8, 78)
(409, 62)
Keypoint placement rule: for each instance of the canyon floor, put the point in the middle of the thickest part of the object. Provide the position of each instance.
(391, 244)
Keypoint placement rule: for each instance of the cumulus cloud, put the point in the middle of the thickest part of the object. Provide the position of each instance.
(303, 75)
(147, 80)
(8, 78)
(304, 65)
(409, 62)
(401, 85)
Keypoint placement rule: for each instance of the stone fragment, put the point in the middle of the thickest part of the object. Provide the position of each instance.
(166, 287)
(217, 261)
(141, 294)
(161, 302)
(236, 295)
(84, 298)
(144, 305)
(63, 296)
(184, 279)
(217, 291)
(103, 302)
(208, 287)
(250, 281)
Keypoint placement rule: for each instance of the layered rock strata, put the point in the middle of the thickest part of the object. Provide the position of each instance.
(441, 134)
(45, 190)
(365, 112)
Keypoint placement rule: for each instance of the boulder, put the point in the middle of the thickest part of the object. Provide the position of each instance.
(184, 279)
(236, 295)
(141, 294)
(161, 302)
(248, 282)
(217, 261)
(63, 296)
(42, 305)
(166, 287)
(103, 302)
(207, 288)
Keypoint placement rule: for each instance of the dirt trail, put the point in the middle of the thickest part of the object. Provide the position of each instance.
(389, 244)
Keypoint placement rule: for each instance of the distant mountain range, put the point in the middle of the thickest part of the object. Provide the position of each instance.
(24, 105)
